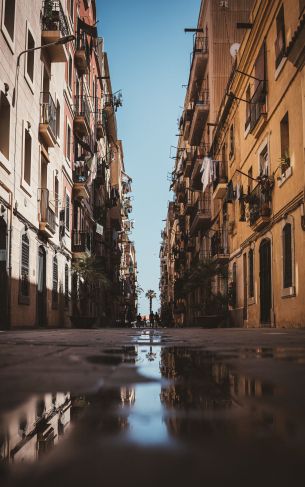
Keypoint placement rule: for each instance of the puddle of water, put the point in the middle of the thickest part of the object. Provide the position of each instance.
(193, 402)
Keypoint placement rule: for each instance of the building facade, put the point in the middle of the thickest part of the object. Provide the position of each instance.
(249, 209)
(57, 139)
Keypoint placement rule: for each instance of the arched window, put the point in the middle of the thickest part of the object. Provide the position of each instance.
(25, 266)
(251, 272)
(287, 255)
(55, 282)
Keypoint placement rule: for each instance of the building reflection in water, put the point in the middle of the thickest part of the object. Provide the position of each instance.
(34, 428)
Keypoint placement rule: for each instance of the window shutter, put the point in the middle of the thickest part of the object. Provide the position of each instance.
(287, 241)
(25, 265)
(67, 212)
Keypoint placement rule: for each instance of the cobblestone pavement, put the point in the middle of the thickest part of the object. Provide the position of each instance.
(166, 407)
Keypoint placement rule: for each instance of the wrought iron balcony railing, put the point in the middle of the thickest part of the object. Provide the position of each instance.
(260, 203)
(220, 175)
(53, 17)
(82, 108)
(81, 241)
(47, 214)
(219, 243)
(48, 111)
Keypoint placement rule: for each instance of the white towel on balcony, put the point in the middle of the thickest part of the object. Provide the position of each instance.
(206, 172)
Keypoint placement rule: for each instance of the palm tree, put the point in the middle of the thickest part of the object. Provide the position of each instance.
(150, 295)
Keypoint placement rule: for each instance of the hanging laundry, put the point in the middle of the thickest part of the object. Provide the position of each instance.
(206, 172)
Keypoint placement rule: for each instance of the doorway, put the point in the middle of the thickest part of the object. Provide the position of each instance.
(41, 288)
(265, 281)
(3, 276)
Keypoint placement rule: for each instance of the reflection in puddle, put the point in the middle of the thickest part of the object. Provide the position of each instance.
(192, 398)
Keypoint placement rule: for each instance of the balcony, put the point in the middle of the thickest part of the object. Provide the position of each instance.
(221, 179)
(201, 109)
(219, 246)
(258, 114)
(116, 216)
(188, 205)
(188, 158)
(54, 26)
(80, 178)
(46, 217)
(198, 63)
(186, 121)
(99, 126)
(82, 116)
(260, 207)
(82, 54)
(47, 125)
(81, 244)
(198, 154)
(201, 217)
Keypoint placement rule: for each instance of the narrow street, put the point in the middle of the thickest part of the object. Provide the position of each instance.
(153, 406)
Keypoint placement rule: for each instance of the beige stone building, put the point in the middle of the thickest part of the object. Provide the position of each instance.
(260, 130)
(58, 154)
(252, 223)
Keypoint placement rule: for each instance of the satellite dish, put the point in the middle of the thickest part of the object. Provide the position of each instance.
(234, 49)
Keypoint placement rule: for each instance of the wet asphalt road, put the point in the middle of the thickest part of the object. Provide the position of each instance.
(154, 407)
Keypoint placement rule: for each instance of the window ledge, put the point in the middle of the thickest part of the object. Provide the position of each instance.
(288, 292)
(26, 188)
(286, 175)
(10, 42)
(280, 67)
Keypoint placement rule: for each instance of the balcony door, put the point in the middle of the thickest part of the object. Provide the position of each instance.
(41, 288)
(3, 276)
(265, 282)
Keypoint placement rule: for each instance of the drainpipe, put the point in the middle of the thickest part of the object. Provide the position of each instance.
(10, 251)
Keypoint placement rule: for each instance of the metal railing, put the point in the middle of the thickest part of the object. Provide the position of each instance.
(81, 241)
(48, 111)
(220, 173)
(203, 205)
(80, 172)
(83, 44)
(82, 108)
(53, 17)
(219, 243)
(47, 215)
(201, 44)
(259, 204)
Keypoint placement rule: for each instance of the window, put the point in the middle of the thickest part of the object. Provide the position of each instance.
(30, 56)
(27, 157)
(5, 116)
(70, 72)
(55, 282)
(250, 179)
(258, 100)
(287, 256)
(9, 17)
(251, 273)
(66, 285)
(280, 42)
(232, 142)
(67, 216)
(57, 120)
(264, 161)
(25, 268)
(69, 142)
(284, 128)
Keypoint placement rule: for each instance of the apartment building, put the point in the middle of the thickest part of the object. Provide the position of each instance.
(57, 133)
(260, 132)
(194, 207)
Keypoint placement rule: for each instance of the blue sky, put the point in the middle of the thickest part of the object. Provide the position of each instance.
(149, 57)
